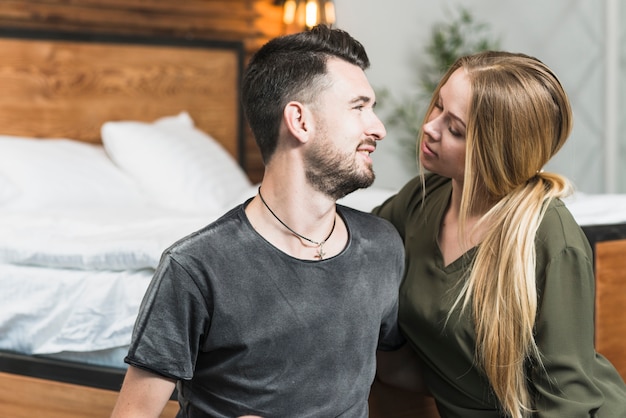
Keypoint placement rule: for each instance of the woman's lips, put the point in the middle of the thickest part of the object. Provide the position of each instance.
(427, 151)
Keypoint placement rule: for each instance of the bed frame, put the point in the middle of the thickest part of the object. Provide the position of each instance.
(62, 85)
(609, 247)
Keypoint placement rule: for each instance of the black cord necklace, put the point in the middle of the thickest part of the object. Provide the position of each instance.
(318, 245)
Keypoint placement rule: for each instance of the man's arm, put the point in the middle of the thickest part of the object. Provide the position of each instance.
(143, 394)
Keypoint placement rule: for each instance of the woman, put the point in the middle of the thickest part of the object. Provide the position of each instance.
(498, 296)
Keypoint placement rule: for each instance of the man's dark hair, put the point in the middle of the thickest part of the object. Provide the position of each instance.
(291, 67)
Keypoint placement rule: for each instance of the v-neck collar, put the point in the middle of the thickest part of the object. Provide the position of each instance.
(464, 259)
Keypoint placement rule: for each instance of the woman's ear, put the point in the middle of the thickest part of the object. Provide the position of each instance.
(297, 120)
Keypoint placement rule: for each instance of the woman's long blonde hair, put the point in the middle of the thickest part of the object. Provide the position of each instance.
(519, 117)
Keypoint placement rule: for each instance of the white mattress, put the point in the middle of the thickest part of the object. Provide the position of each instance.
(47, 311)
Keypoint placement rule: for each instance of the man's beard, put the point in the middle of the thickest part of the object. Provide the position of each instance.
(336, 174)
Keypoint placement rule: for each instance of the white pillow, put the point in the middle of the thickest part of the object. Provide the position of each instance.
(61, 174)
(180, 166)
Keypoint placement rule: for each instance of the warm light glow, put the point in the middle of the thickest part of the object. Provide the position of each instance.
(289, 11)
(311, 13)
(304, 14)
(329, 12)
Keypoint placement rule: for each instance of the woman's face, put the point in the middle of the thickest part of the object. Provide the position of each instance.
(443, 142)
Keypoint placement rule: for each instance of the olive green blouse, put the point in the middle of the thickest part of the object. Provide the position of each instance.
(576, 382)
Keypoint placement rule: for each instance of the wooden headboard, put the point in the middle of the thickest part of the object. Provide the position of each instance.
(67, 85)
(609, 246)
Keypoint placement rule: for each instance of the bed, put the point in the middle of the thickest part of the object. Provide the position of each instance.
(111, 149)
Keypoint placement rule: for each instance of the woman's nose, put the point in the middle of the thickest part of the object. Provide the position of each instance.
(431, 129)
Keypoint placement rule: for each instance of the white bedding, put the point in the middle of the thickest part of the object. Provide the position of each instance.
(77, 256)
(597, 209)
(102, 241)
(52, 310)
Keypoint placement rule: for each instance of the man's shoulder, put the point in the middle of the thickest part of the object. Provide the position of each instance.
(214, 234)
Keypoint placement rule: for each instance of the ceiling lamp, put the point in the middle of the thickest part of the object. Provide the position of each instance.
(304, 14)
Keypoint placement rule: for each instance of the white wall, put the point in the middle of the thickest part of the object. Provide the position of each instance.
(568, 35)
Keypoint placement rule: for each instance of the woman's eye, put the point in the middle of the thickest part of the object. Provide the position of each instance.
(454, 132)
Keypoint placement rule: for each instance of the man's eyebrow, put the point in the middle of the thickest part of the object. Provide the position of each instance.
(361, 99)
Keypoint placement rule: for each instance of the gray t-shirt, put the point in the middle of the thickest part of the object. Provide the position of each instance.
(248, 329)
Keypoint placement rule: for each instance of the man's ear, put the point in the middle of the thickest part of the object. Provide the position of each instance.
(298, 120)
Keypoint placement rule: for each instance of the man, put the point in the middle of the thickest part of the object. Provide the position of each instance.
(277, 308)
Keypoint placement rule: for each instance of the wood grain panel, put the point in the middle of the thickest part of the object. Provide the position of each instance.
(231, 24)
(611, 302)
(249, 21)
(69, 88)
(28, 397)
(223, 7)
